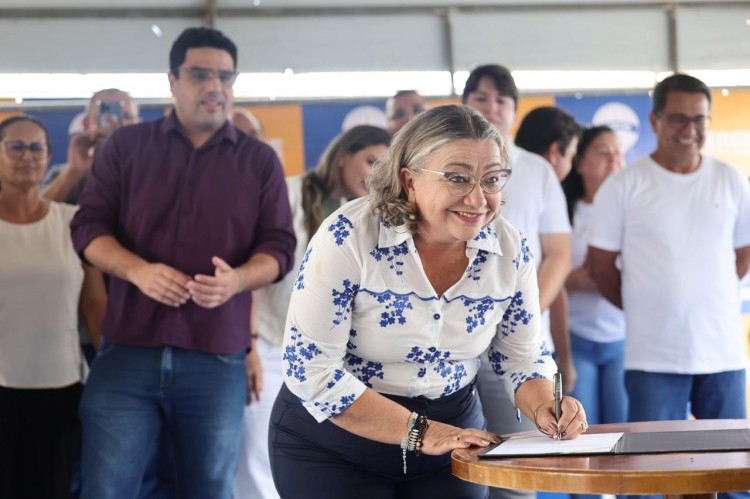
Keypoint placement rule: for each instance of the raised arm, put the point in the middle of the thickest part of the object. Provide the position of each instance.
(62, 180)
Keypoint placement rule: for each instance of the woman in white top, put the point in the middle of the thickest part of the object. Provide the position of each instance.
(597, 328)
(41, 283)
(397, 296)
(340, 176)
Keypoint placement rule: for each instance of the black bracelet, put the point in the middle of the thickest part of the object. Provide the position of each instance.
(416, 434)
(417, 425)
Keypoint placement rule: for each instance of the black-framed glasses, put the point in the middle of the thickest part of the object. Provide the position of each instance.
(679, 121)
(17, 148)
(202, 75)
(461, 184)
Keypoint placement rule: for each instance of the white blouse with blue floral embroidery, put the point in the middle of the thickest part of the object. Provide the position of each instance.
(363, 314)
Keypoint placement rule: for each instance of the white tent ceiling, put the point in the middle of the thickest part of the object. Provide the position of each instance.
(340, 35)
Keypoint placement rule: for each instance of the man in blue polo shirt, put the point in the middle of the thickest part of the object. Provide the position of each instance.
(187, 216)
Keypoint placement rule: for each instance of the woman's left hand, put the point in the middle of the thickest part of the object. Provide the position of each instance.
(572, 421)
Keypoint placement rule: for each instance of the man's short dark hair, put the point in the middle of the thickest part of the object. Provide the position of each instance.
(199, 38)
(678, 82)
(500, 76)
(545, 126)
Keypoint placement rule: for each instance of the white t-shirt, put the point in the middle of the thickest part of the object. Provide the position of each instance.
(535, 203)
(40, 286)
(677, 235)
(590, 315)
(363, 314)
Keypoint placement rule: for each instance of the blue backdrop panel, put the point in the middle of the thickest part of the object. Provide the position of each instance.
(627, 114)
(57, 122)
(322, 122)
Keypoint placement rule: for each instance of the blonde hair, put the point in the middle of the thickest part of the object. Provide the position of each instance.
(419, 138)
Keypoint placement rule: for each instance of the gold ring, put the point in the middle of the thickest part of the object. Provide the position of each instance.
(585, 425)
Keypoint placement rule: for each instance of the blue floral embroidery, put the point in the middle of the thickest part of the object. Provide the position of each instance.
(431, 356)
(496, 361)
(331, 409)
(340, 229)
(344, 301)
(453, 372)
(364, 371)
(484, 234)
(524, 254)
(296, 353)
(394, 308)
(300, 282)
(393, 255)
(478, 310)
(337, 375)
(473, 271)
(349, 344)
(514, 315)
(544, 353)
(519, 378)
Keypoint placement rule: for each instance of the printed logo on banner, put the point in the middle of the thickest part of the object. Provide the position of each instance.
(626, 114)
(364, 115)
(623, 120)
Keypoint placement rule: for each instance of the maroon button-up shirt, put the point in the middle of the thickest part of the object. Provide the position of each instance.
(170, 203)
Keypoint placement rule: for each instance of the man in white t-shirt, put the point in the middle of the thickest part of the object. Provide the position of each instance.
(680, 222)
(534, 202)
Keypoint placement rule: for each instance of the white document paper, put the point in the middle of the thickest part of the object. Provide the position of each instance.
(599, 443)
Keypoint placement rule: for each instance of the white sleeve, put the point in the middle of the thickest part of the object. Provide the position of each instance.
(319, 322)
(607, 220)
(742, 224)
(517, 352)
(554, 218)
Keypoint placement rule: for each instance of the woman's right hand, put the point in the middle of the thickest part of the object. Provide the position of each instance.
(441, 438)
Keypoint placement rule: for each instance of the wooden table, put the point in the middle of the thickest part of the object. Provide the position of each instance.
(686, 475)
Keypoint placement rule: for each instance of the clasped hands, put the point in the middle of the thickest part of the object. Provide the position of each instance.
(171, 287)
(572, 420)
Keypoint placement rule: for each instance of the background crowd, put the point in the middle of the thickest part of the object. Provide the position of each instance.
(251, 335)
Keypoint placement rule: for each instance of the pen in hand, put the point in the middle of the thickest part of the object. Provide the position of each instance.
(558, 401)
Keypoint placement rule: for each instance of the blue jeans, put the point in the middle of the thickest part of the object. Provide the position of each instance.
(601, 379)
(133, 394)
(601, 383)
(665, 396)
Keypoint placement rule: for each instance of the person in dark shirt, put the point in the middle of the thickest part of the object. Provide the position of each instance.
(187, 216)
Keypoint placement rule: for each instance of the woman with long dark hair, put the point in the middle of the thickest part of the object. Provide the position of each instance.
(597, 328)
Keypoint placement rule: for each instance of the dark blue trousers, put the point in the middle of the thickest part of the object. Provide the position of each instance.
(320, 460)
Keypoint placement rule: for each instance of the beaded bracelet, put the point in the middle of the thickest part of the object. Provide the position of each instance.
(417, 425)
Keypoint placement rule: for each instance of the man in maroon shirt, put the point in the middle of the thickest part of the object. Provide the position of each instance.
(187, 216)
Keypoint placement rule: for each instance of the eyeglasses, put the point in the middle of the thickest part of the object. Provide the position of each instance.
(16, 149)
(202, 75)
(461, 184)
(678, 121)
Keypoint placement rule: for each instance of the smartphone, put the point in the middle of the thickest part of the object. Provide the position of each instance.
(110, 113)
